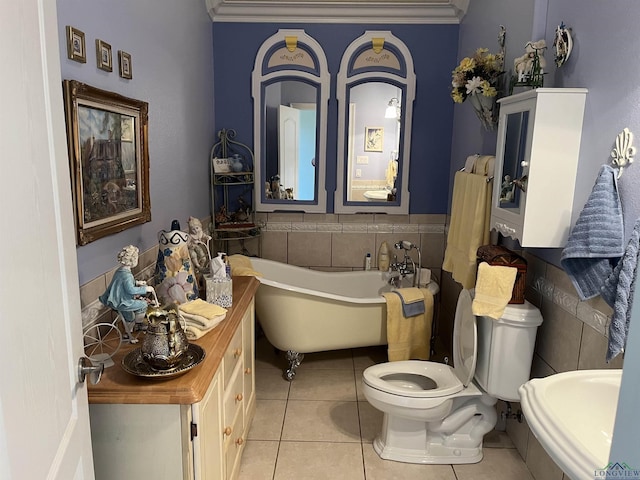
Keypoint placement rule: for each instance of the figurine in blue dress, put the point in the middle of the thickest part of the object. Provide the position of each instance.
(124, 294)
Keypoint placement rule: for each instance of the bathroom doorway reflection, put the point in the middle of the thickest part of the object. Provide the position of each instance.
(372, 163)
(291, 137)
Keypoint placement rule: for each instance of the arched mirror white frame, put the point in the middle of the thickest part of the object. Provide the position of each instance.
(290, 60)
(380, 62)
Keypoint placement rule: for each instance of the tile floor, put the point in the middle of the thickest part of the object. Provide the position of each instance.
(320, 426)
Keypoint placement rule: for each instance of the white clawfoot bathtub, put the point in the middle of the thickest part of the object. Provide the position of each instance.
(303, 311)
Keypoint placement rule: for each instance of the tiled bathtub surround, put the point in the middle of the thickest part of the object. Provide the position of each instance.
(341, 242)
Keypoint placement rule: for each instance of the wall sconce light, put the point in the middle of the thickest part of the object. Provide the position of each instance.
(393, 109)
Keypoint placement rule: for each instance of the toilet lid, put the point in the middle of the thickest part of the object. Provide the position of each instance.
(465, 339)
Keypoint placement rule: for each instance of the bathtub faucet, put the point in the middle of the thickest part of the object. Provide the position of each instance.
(408, 266)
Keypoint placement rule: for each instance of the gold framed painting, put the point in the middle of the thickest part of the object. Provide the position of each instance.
(373, 139)
(75, 45)
(109, 160)
(124, 65)
(103, 56)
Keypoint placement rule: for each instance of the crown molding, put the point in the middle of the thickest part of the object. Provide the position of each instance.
(337, 11)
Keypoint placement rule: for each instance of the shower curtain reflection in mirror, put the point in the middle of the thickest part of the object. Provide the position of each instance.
(291, 137)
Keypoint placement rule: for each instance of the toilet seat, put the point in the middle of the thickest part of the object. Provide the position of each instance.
(399, 378)
(423, 379)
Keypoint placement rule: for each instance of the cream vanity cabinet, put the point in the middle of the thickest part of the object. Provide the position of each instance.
(537, 154)
(191, 427)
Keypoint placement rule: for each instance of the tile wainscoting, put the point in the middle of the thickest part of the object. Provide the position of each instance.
(341, 242)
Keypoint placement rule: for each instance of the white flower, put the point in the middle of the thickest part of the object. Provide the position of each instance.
(474, 85)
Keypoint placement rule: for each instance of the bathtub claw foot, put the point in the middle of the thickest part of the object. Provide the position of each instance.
(294, 359)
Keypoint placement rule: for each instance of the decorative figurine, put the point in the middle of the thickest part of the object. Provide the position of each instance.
(529, 69)
(175, 276)
(198, 246)
(242, 215)
(563, 44)
(126, 295)
(221, 216)
(506, 192)
(532, 62)
(199, 252)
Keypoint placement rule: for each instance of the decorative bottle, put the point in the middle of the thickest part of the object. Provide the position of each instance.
(384, 257)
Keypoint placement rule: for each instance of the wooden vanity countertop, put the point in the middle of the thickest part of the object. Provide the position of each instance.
(118, 386)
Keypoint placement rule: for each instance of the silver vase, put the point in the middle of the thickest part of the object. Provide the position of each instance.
(486, 109)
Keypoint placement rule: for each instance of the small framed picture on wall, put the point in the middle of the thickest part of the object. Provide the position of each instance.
(75, 45)
(373, 137)
(124, 64)
(103, 56)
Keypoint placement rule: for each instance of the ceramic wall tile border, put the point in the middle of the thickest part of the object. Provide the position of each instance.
(585, 312)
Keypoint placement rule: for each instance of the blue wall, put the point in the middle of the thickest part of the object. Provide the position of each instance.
(434, 49)
(172, 63)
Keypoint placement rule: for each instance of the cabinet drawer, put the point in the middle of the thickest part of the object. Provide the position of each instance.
(233, 446)
(233, 396)
(232, 356)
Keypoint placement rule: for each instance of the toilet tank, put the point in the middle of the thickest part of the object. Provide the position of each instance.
(505, 350)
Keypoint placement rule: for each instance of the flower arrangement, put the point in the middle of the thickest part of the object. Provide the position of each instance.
(476, 75)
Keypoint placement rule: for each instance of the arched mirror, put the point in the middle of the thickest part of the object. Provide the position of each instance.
(376, 89)
(290, 91)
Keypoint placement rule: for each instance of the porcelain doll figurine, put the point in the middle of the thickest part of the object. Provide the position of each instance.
(124, 294)
(198, 246)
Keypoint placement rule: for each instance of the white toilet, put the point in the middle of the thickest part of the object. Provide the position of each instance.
(438, 414)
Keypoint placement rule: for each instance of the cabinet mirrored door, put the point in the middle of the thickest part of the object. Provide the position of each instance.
(514, 166)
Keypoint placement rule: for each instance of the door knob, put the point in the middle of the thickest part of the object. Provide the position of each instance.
(87, 369)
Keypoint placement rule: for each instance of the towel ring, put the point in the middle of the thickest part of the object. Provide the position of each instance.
(624, 151)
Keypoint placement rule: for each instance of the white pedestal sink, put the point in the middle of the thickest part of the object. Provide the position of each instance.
(376, 195)
(572, 415)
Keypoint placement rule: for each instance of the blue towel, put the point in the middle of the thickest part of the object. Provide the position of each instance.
(618, 290)
(596, 242)
(411, 309)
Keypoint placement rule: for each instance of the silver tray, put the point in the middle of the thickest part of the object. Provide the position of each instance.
(134, 364)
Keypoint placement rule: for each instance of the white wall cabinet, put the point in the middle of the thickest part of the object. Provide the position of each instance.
(537, 155)
(159, 432)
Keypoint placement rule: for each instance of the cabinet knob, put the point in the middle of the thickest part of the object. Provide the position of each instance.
(524, 164)
(227, 431)
(521, 183)
(237, 352)
(247, 370)
(239, 441)
(239, 397)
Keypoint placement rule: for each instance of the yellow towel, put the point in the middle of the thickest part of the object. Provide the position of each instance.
(493, 290)
(202, 308)
(241, 266)
(484, 165)
(408, 338)
(202, 322)
(469, 227)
